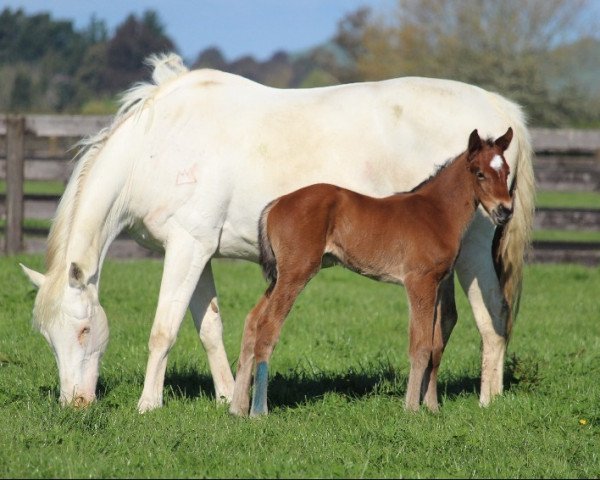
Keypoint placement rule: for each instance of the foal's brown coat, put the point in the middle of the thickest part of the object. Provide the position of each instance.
(408, 238)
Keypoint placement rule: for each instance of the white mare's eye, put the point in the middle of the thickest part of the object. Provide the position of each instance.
(83, 334)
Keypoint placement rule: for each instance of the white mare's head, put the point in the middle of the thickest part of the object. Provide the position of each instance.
(69, 316)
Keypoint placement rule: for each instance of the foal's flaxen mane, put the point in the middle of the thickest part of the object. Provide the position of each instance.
(165, 67)
(488, 141)
(437, 171)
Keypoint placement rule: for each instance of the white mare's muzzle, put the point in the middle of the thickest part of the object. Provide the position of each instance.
(78, 345)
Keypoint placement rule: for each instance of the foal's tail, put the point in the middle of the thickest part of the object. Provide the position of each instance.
(512, 241)
(266, 256)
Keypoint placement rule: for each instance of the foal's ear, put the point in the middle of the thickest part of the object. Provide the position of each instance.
(34, 277)
(475, 142)
(504, 141)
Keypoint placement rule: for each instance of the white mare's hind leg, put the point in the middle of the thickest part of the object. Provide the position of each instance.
(475, 270)
(185, 259)
(205, 312)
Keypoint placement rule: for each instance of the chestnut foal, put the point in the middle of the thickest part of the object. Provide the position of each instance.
(408, 238)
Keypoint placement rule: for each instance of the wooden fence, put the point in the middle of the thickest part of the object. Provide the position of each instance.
(35, 147)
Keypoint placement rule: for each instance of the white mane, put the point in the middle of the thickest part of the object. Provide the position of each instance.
(165, 68)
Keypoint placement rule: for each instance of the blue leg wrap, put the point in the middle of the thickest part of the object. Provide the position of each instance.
(259, 397)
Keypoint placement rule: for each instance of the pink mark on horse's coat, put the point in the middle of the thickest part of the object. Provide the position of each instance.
(187, 175)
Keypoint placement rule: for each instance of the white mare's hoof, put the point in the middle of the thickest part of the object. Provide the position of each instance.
(147, 405)
(237, 411)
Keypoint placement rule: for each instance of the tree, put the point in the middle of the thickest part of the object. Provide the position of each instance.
(498, 45)
(21, 94)
(350, 38)
(38, 37)
(211, 58)
(133, 42)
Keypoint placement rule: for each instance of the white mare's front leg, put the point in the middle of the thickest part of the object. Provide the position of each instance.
(477, 276)
(185, 259)
(205, 311)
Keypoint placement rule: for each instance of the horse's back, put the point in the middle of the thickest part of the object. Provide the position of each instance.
(258, 142)
(393, 131)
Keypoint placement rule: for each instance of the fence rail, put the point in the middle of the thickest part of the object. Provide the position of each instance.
(35, 147)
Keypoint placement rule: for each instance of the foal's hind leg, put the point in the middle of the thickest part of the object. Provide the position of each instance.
(421, 297)
(205, 312)
(268, 329)
(241, 398)
(445, 319)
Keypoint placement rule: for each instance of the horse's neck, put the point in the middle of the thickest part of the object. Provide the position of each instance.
(451, 190)
(96, 216)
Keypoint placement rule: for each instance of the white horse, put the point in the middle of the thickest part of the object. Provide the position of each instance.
(190, 161)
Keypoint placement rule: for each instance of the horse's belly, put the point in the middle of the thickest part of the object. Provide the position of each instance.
(238, 244)
(144, 238)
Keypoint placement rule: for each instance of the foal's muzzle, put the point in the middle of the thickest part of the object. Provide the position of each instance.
(501, 215)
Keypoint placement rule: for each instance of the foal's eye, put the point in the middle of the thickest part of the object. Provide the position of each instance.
(480, 176)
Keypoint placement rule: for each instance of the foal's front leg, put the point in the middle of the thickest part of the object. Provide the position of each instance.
(421, 298)
(445, 319)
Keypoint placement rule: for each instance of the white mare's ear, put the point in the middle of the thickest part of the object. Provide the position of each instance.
(76, 276)
(36, 278)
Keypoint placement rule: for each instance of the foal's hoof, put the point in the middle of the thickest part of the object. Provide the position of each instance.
(258, 413)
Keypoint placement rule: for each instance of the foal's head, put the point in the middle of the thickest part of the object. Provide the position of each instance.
(489, 169)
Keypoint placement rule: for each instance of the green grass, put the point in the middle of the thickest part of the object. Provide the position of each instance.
(556, 199)
(37, 223)
(336, 395)
(38, 187)
(567, 235)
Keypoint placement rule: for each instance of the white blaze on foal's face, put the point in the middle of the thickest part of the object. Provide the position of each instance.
(497, 163)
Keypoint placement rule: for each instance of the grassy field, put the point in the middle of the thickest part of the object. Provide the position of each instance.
(336, 397)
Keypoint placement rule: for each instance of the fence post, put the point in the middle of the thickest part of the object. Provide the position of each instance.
(15, 149)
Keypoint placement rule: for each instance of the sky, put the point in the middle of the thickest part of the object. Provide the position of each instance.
(237, 27)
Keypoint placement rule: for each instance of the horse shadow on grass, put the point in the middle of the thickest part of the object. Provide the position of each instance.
(300, 387)
(296, 388)
(291, 390)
